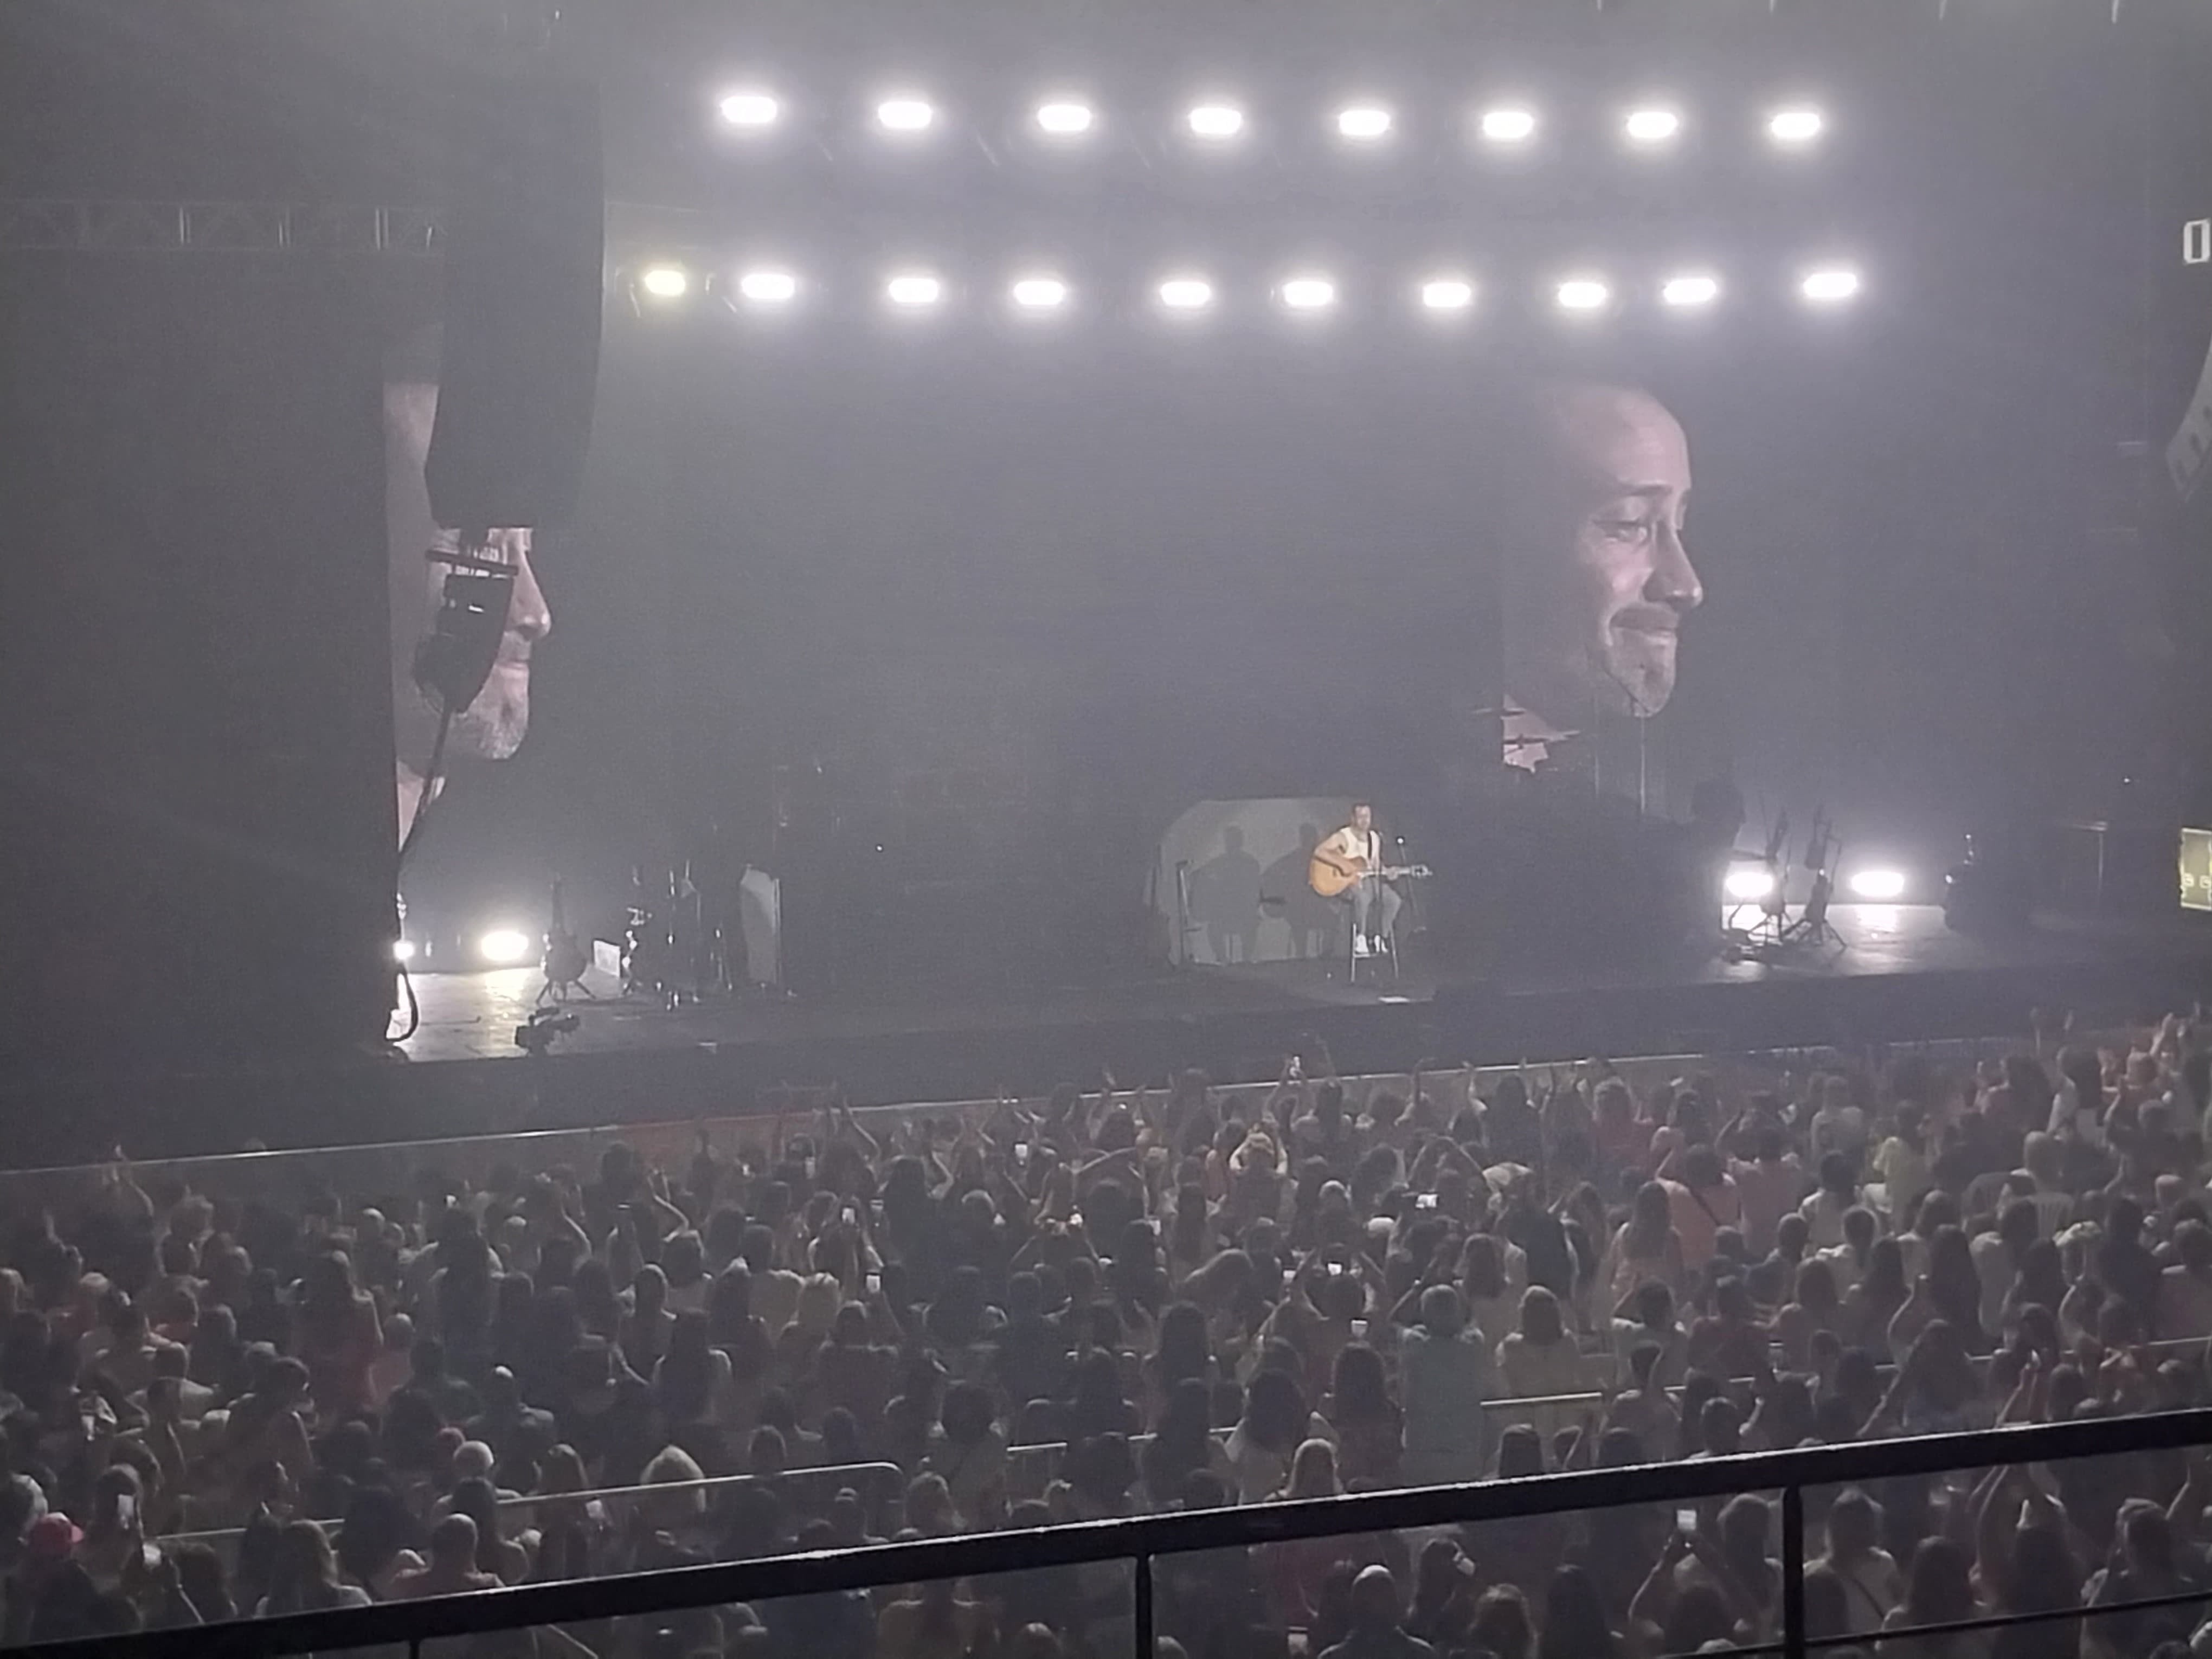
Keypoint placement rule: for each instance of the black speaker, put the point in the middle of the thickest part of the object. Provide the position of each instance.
(524, 258)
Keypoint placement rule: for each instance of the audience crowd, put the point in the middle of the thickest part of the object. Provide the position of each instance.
(833, 1330)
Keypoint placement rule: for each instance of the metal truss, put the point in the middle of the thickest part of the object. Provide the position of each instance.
(96, 226)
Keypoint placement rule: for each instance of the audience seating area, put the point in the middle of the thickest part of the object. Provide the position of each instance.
(290, 1381)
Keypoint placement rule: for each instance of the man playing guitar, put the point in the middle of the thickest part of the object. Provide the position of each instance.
(1351, 861)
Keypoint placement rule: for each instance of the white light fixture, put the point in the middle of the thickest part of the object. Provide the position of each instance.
(1690, 288)
(1829, 285)
(769, 288)
(1363, 123)
(750, 108)
(1215, 121)
(1883, 886)
(1651, 126)
(505, 946)
(1063, 118)
(1309, 294)
(1748, 884)
(1186, 294)
(1583, 293)
(914, 289)
(905, 114)
(403, 950)
(1447, 293)
(1796, 125)
(1507, 124)
(665, 281)
(1039, 292)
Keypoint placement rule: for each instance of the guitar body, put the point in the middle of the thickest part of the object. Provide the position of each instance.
(1332, 876)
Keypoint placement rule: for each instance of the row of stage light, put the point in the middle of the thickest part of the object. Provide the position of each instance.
(908, 116)
(669, 285)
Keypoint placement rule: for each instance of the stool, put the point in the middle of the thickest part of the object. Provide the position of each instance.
(1353, 960)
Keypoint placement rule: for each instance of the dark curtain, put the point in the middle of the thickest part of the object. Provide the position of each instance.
(195, 798)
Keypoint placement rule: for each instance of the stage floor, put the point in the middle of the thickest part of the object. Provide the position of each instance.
(472, 1016)
(1899, 977)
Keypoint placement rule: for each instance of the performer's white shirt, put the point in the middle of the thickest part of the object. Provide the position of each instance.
(1351, 843)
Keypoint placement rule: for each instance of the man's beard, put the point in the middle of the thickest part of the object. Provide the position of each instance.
(491, 728)
(1636, 670)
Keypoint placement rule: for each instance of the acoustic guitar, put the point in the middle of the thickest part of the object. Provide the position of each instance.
(1332, 875)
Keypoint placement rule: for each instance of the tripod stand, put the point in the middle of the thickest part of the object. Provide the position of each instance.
(1768, 932)
(1775, 935)
(1812, 926)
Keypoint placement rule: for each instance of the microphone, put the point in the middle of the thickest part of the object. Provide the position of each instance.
(455, 659)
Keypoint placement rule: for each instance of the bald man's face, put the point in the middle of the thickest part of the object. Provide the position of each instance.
(492, 726)
(1597, 589)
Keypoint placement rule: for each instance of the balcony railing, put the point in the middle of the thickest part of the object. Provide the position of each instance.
(1141, 1540)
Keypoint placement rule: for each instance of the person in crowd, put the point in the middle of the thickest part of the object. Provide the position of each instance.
(1542, 1358)
(305, 1578)
(1866, 1573)
(1267, 1438)
(1368, 1424)
(1939, 1590)
(1377, 1622)
(1447, 1376)
(1703, 1201)
(452, 1566)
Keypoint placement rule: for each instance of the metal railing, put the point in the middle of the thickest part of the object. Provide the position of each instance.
(879, 1486)
(1140, 1540)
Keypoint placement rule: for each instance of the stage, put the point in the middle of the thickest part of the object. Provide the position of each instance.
(1899, 971)
(1900, 974)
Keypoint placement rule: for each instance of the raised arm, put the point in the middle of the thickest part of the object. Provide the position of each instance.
(1655, 1597)
(1989, 1517)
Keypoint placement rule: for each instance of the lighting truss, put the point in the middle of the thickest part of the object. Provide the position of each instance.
(58, 225)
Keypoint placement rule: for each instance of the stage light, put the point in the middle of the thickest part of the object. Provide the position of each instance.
(403, 950)
(505, 946)
(1186, 294)
(905, 114)
(1748, 884)
(1309, 294)
(1064, 119)
(1215, 121)
(1039, 292)
(1447, 293)
(1690, 288)
(1508, 125)
(914, 289)
(750, 108)
(1363, 123)
(665, 281)
(1795, 126)
(1883, 886)
(1829, 285)
(1583, 293)
(769, 288)
(1651, 126)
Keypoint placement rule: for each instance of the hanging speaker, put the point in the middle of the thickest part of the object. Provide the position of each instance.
(523, 257)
